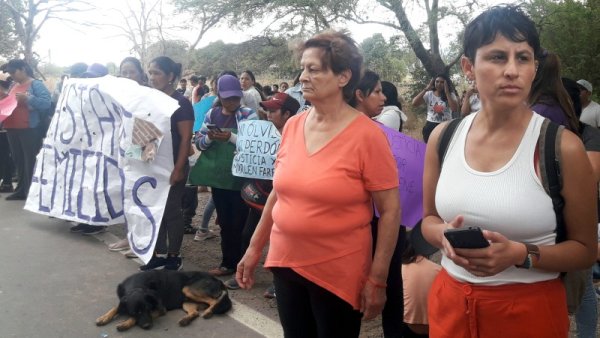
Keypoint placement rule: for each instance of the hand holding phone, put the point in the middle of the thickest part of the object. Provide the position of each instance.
(213, 127)
(466, 238)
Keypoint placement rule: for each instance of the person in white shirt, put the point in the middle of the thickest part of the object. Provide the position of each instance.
(591, 109)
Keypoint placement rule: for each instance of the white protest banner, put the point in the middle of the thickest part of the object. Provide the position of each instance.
(256, 150)
(82, 173)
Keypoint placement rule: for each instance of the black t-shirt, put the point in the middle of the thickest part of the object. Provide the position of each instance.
(590, 136)
(185, 112)
(591, 141)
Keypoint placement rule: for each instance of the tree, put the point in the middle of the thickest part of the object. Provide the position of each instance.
(570, 29)
(29, 16)
(141, 24)
(298, 17)
(9, 44)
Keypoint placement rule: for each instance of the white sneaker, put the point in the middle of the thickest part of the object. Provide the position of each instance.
(202, 235)
(119, 245)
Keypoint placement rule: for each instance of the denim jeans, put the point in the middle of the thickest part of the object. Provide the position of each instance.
(586, 316)
(209, 209)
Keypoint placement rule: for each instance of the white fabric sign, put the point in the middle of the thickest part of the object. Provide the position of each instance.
(256, 149)
(82, 173)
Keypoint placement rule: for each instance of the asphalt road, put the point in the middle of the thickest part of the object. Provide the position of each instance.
(55, 284)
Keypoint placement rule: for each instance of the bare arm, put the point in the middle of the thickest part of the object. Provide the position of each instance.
(373, 294)
(245, 268)
(185, 130)
(418, 100)
(580, 212)
(465, 109)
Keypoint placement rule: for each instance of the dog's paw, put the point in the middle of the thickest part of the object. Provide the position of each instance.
(185, 321)
(101, 321)
(207, 314)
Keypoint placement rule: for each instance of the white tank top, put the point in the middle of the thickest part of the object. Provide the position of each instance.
(510, 200)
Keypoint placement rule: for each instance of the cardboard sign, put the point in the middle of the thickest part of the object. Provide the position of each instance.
(82, 173)
(256, 150)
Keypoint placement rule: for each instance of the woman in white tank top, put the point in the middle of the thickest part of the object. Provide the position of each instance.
(490, 179)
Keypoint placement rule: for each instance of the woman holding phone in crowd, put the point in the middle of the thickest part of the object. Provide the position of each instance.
(511, 288)
(216, 139)
(24, 125)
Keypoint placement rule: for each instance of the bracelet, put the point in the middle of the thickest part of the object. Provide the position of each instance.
(374, 283)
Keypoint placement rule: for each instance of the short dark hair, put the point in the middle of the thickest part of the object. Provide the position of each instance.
(250, 74)
(168, 66)
(391, 94)
(16, 64)
(340, 53)
(366, 85)
(507, 20)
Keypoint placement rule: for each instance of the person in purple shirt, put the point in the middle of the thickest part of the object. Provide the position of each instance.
(163, 74)
(549, 97)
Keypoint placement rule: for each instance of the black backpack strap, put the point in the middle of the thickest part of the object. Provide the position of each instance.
(445, 138)
(549, 149)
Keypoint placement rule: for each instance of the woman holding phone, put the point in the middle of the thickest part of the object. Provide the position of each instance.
(216, 139)
(510, 288)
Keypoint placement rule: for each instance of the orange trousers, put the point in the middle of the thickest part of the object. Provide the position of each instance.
(458, 310)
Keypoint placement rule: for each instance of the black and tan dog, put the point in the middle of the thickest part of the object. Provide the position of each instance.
(147, 295)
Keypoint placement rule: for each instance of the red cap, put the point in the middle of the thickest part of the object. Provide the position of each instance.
(281, 101)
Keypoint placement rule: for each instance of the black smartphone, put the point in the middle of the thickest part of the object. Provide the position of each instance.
(213, 127)
(466, 238)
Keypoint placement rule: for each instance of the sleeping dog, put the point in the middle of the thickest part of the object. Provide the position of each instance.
(148, 295)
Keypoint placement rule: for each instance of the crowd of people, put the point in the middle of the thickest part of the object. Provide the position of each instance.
(334, 261)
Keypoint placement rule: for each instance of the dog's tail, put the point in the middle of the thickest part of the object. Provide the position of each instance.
(223, 303)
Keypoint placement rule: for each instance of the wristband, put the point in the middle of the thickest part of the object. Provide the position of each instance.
(375, 284)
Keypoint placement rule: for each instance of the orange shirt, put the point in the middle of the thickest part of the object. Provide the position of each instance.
(322, 216)
(19, 119)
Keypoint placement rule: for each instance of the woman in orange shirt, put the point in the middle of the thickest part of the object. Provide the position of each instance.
(318, 219)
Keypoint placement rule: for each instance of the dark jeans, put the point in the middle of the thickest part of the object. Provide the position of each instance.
(172, 222)
(232, 212)
(189, 203)
(6, 163)
(393, 311)
(427, 129)
(307, 310)
(249, 227)
(24, 146)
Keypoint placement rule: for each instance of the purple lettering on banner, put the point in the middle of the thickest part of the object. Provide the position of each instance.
(69, 191)
(104, 119)
(109, 204)
(68, 109)
(57, 160)
(98, 217)
(136, 186)
(80, 214)
(410, 159)
(43, 181)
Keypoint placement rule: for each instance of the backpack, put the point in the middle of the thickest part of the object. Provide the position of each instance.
(548, 143)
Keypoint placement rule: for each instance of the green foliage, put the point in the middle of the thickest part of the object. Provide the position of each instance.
(175, 49)
(261, 55)
(9, 43)
(570, 29)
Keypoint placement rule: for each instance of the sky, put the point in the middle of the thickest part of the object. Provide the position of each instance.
(63, 44)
